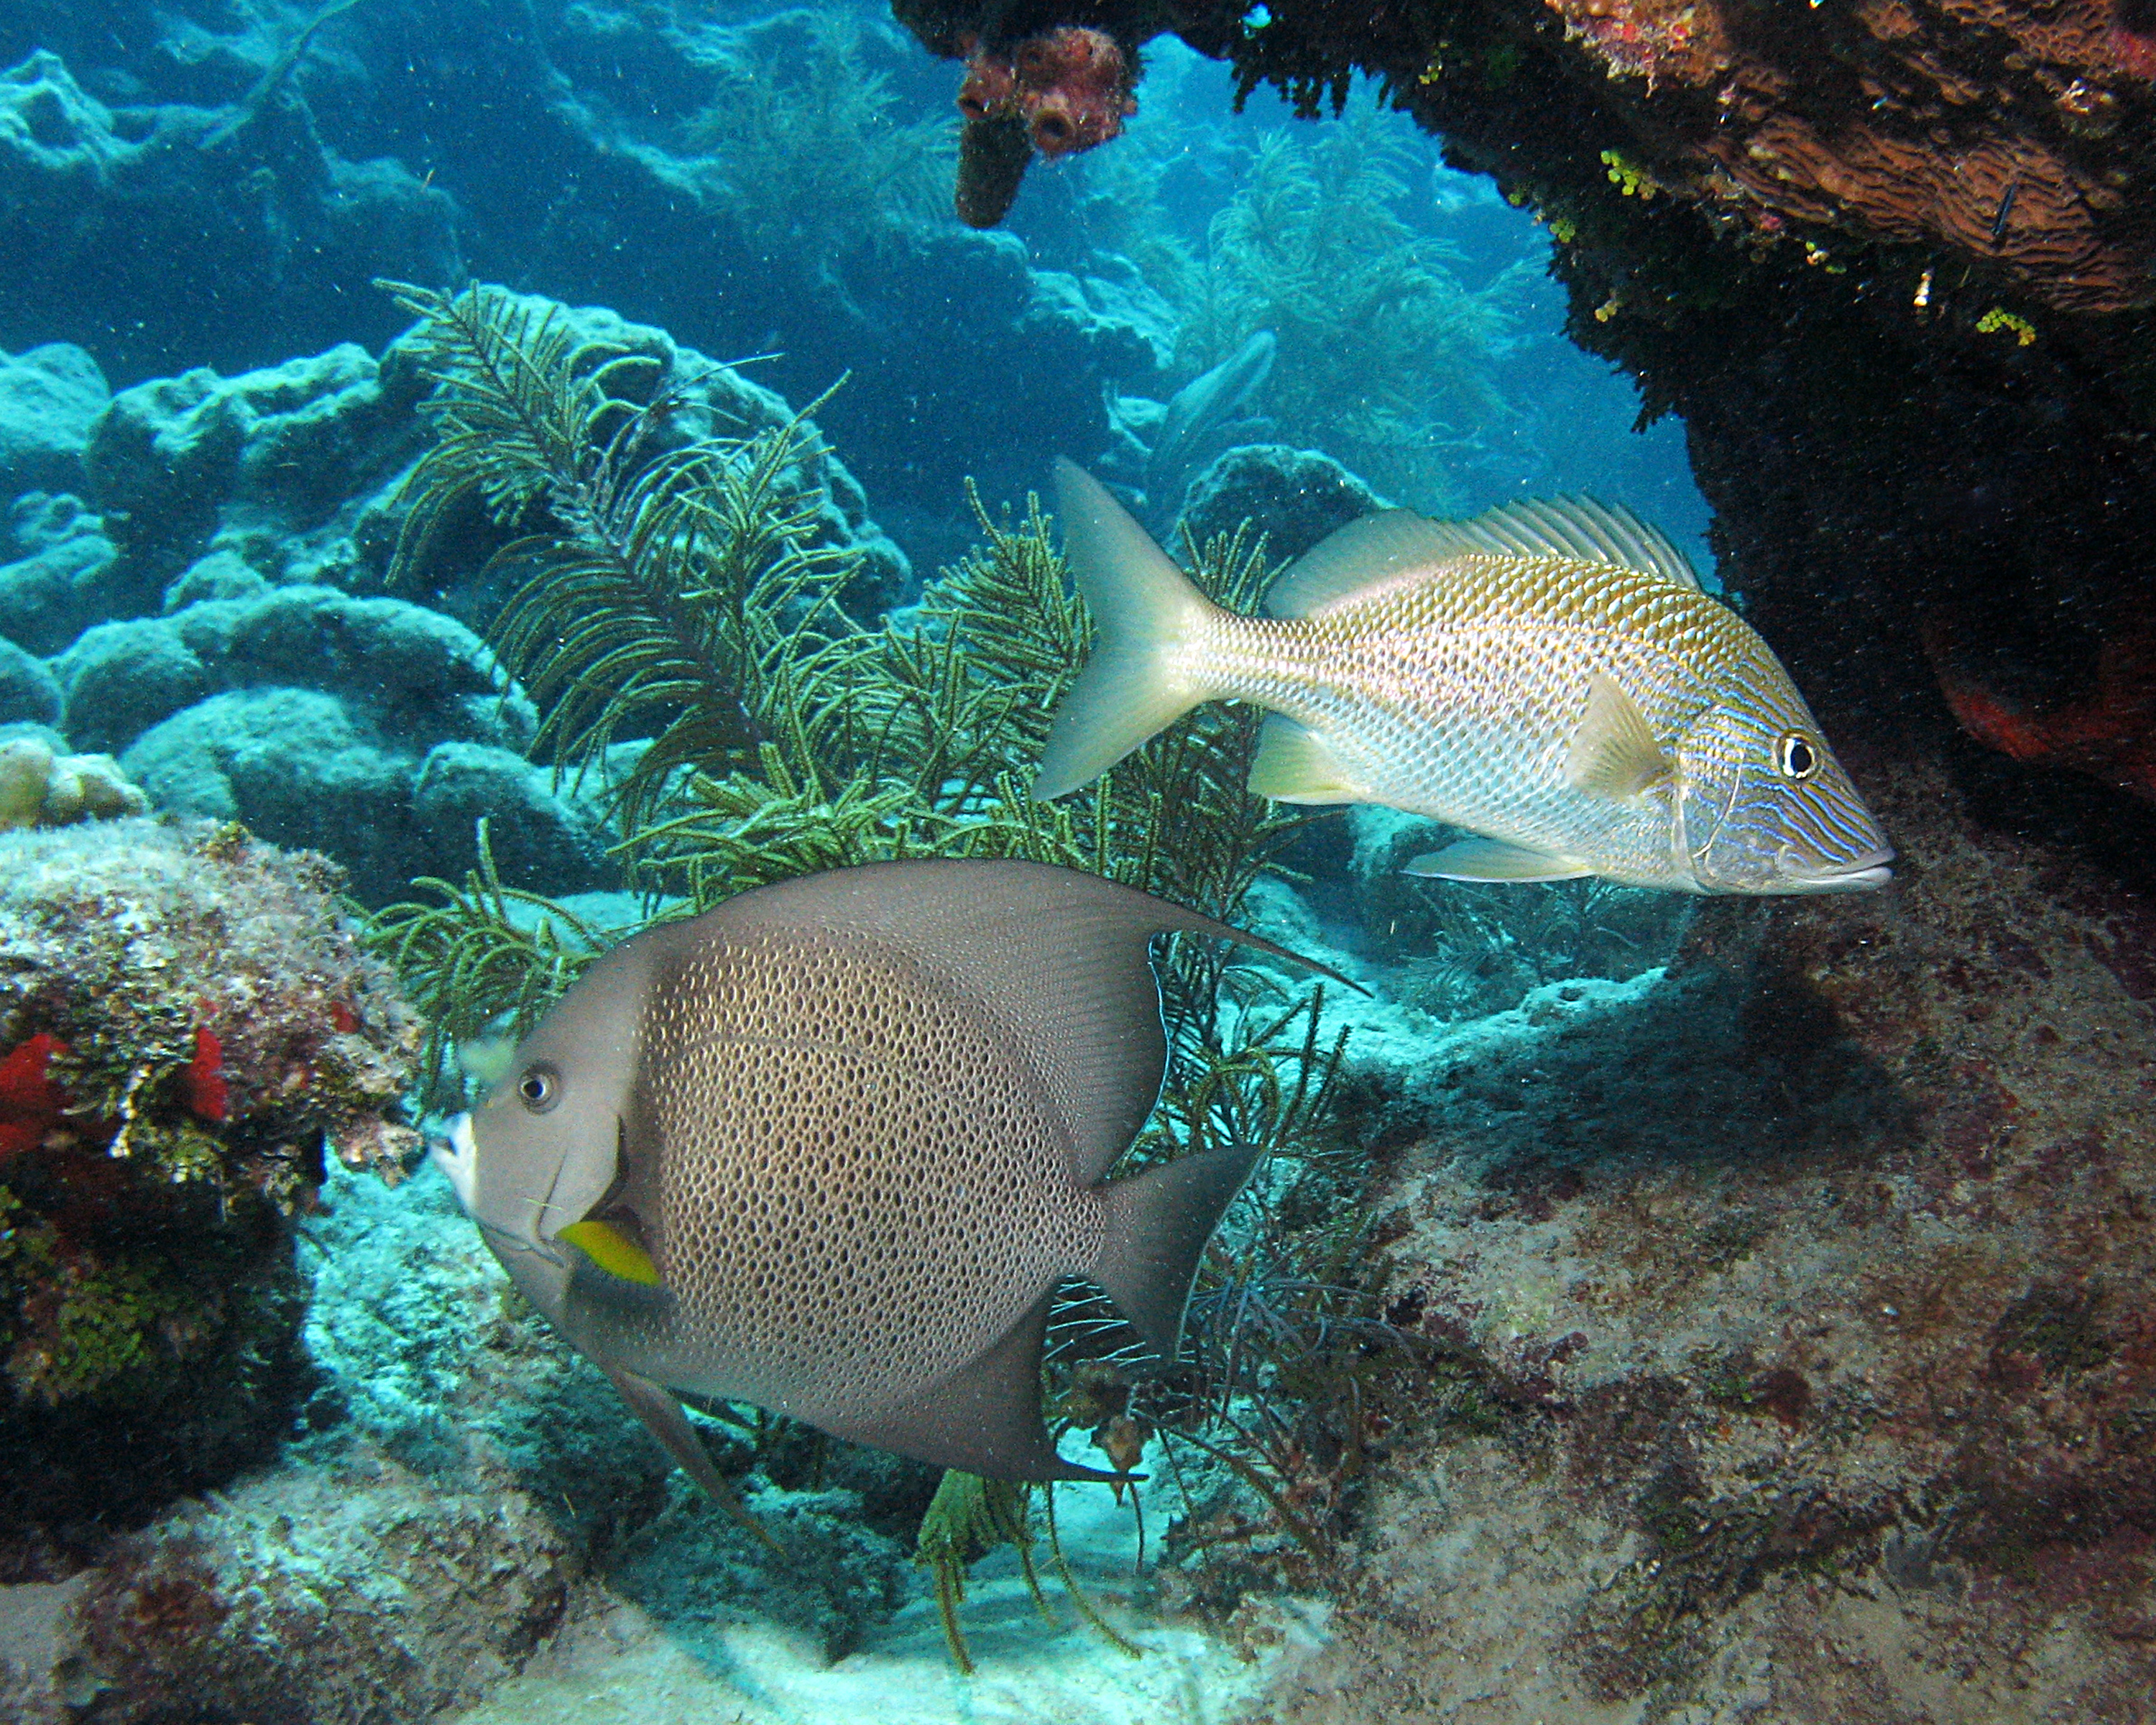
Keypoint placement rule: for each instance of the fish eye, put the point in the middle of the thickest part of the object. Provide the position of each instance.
(539, 1088)
(1797, 755)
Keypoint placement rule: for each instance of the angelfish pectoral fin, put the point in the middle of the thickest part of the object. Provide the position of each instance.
(1616, 753)
(1494, 859)
(662, 1416)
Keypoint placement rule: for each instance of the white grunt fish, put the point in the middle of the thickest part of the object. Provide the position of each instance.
(1547, 674)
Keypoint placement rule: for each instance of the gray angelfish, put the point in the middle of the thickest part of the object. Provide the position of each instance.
(830, 1147)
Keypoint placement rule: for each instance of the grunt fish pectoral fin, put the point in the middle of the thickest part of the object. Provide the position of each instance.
(1494, 859)
(985, 1417)
(1294, 764)
(662, 1416)
(1616, 753)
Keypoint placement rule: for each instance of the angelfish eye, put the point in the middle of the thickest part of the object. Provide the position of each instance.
(1797, 755)
(539, 1088)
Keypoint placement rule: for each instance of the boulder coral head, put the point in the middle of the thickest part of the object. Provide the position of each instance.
(1056, 93)
(188, 1026)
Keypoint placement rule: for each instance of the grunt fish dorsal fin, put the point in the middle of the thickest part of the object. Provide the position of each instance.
(1159, 1222)
(1494, 859)
(985, 1417)
(1616, 753)
(1384, 547)
(1294, 764)
(1582, 529)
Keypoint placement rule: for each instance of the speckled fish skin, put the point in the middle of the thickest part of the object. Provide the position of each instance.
(1460, 689)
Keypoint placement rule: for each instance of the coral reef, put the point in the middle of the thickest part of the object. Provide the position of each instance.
(41, 788)
(305, 226)
(1998, 136)
(59, 580)
(186, 1024)
(48, 397)
(775, 185)
(274, 467)
(1788, 1284)
(259, 512)
(1295, 497)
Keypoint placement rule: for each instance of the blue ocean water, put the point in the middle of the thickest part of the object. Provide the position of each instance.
(566, 464)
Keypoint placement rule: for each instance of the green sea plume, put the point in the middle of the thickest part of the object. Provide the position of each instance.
(685, 636)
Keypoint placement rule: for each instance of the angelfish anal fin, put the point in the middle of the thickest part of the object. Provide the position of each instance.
(1616, 753)
(985, 1417)
(1294, 764)
(1494, 859)
(662, 1416)
(1159, 1222)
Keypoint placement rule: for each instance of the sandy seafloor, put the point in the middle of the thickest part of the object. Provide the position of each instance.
(612, 1664)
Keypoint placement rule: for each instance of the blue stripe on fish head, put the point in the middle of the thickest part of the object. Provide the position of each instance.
(1766, 807)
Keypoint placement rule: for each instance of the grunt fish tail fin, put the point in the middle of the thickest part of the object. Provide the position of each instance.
(1143, 608)
(1159, 1222)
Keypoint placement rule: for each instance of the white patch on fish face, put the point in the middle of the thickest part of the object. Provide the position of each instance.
(458, 1157)
(1769, 809)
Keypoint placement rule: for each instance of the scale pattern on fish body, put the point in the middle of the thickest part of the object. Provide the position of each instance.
(796, 1174)
(1457, 695)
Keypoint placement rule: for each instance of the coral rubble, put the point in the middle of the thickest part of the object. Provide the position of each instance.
(40, 787)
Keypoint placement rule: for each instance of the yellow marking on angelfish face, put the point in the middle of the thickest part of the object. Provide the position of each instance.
(613, 1251)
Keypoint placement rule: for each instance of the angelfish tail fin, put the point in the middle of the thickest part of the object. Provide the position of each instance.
(662, 1416)
(1144, 608)
(1159, 1222)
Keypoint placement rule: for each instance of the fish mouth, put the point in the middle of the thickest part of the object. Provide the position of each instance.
(1857, 874)
(457, 1156)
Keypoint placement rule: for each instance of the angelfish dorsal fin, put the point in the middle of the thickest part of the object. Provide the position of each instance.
(1382, 548)
(1616, 753)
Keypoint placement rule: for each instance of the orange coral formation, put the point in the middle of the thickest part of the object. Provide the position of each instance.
(2111, 735)
(1995, 128)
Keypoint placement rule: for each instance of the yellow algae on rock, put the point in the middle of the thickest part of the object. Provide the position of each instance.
(41, 788)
